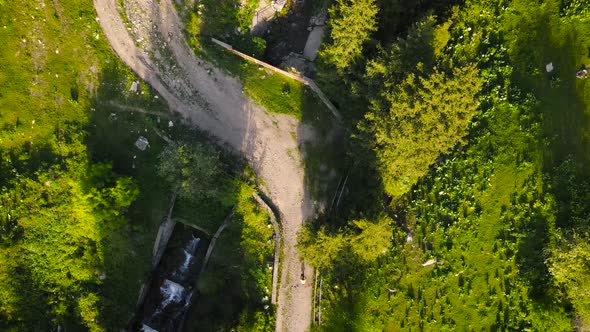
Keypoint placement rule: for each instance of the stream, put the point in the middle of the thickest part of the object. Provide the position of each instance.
(172, 288)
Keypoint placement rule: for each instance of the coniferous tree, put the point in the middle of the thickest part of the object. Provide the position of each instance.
(425, 118)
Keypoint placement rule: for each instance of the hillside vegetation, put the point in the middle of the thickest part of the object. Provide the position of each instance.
(80, 205)
(477, 154)
(466, 184)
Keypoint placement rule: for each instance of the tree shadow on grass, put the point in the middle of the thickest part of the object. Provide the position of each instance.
(112, 132)
(539, 37)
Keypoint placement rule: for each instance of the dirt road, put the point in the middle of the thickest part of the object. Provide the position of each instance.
(214, 102)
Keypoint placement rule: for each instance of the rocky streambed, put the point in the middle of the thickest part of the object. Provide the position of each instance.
(172, 288)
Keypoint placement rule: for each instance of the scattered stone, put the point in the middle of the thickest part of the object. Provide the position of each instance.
(430, 262)
(583, 74)
(134, 86)
(142, 143)
(549, 67)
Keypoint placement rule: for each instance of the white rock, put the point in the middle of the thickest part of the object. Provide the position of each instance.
(549, 67)
(409, 238)
(142, 143)
(134, 86)
(429, 262)
(170, 124)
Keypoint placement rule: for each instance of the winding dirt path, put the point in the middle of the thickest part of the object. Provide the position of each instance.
(214, 102)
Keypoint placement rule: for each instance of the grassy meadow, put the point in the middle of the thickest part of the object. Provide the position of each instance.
(493, 215)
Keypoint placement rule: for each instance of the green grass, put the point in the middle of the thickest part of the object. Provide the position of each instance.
(58, 71)
(563, 99)
(237, 284)
(275, 92)
(489, 213)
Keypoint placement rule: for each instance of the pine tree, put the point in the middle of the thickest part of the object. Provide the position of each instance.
(352, 22)
(425, 118)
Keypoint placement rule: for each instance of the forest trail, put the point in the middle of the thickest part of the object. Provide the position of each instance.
(215, 103)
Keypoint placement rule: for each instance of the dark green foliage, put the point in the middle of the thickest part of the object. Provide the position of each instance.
(193, 169)
(365, 241)
(65, 218)
(423, 118)
(569, 265)
(252, 46)
(504, 216)
(395, 16)
(352, 22)
(235, 288)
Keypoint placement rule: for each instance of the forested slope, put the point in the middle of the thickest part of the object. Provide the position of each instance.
(474, 152)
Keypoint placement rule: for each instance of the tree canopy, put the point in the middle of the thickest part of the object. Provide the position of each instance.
(194, 169)
(352, 22)
(365, 241)
(425, 118)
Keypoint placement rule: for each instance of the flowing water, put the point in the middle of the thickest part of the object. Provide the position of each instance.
(188, 252)
(171, 292)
